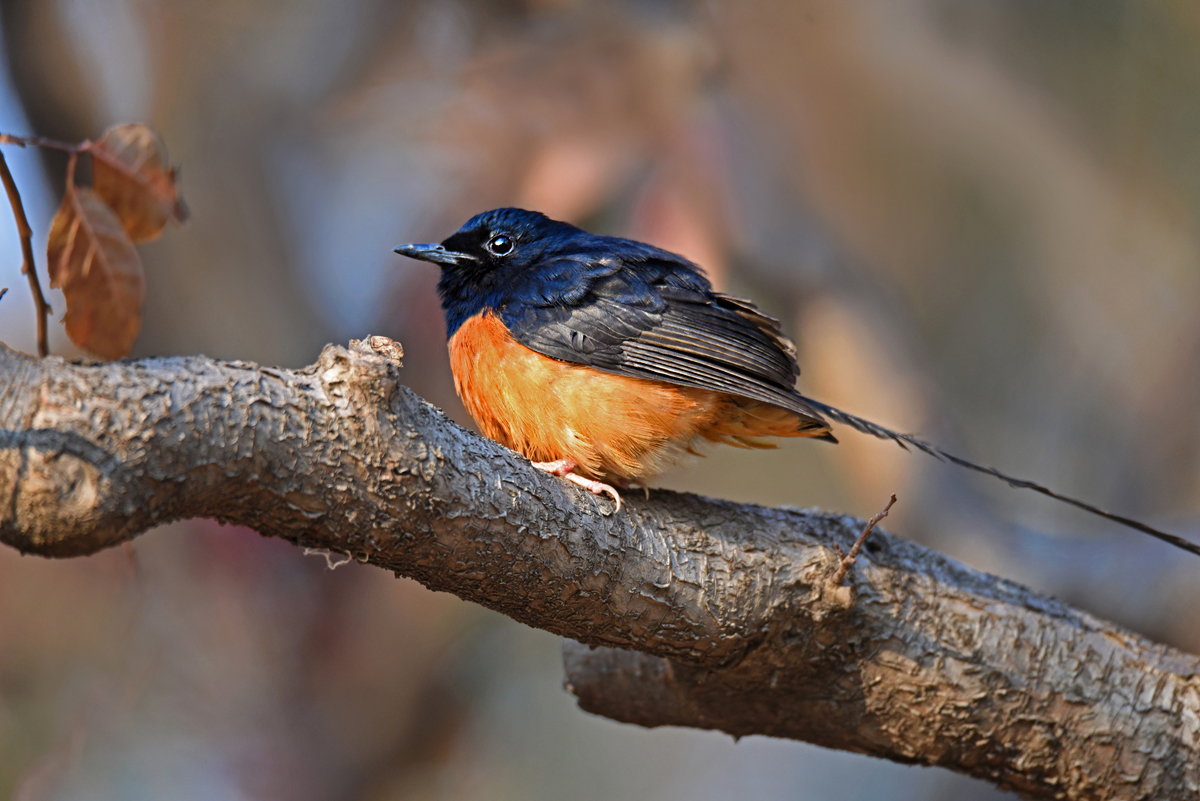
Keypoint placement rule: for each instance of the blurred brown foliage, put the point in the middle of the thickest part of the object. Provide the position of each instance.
(979, 220)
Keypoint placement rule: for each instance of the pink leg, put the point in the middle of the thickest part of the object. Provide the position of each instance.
(563, 467)
(559, 468)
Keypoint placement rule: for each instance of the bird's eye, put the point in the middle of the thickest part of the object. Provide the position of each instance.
(500, 245)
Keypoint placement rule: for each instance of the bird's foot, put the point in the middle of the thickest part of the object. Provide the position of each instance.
(564, 468)
(595, 487)
(559, 468)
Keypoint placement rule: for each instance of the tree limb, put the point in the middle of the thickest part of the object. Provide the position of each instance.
(728, 612)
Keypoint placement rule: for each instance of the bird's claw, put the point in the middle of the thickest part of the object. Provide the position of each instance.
(564, 468)
(595, 487)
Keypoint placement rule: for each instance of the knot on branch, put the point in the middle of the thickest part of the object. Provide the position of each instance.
(369, 370)
(833, 596)
(52, 489)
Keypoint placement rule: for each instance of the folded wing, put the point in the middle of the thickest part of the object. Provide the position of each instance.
(659, 322)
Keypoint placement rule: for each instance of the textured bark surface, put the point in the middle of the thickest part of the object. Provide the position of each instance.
(727, 611)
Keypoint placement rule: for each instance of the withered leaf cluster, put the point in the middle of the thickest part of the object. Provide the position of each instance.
(91, 254)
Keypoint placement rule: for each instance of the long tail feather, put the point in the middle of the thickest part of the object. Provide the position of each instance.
(904, 440)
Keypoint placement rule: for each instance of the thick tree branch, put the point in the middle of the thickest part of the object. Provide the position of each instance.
(733, 609)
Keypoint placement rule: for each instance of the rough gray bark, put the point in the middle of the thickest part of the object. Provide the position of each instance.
(727, 611)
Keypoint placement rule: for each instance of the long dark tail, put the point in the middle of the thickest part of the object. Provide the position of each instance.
(904, 440)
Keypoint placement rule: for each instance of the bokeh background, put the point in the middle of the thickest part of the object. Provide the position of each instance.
(978, 220)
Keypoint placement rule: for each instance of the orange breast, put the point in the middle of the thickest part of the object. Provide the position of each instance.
(615, 427)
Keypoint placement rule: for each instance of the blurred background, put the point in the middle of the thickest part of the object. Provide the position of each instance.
(978, 220)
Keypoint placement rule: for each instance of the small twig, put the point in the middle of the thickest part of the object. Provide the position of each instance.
(848, 559)
(28, 267)
(42, 141)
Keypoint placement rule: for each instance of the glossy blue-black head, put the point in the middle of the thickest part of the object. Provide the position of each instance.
(488, 256)
(509, 259)
(494, 240)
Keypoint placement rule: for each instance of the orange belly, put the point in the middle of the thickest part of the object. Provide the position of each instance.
(614, 427)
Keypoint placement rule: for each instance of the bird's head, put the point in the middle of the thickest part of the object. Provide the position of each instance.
(499, 240)
(512, 258)
(488, 257)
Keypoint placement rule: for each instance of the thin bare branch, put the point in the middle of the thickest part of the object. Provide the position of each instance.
(42, 141)
(27, 266)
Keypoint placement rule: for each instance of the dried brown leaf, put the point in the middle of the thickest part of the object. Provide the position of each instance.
(93, 261)
(129, 171)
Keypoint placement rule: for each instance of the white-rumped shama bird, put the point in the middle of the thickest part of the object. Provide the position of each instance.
(604, 360)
